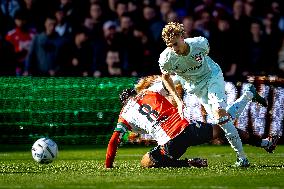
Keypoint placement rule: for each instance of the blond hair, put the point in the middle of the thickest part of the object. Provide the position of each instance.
(145, 82)
(171, 31)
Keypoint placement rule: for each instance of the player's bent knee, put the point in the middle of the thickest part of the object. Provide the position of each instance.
(146, 161)
(222, 116)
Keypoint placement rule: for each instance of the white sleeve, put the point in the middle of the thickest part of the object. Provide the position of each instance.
(165, 63)
(204, 44)
(199, 43)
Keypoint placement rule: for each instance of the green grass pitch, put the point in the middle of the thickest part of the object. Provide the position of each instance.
(83, 167)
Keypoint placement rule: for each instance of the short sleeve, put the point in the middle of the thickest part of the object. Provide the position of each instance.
(165, 63)
(203, 43)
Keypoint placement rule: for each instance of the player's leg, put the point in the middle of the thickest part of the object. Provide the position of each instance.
(217, 103)
(157, 157)
(235, 110)
(232, 136)
(246, 137)
(239, 105)
(168, 155)
(148, 162)
(268, 144)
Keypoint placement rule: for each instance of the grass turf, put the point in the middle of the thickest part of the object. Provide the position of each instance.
(83, 167)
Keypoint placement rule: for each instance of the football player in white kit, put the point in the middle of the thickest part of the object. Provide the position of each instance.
(188, 59)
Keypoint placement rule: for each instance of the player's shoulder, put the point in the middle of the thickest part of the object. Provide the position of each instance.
(166, 55)
(166, 52)
(195, 39)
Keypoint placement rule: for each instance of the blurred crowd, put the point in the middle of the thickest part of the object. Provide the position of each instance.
(105, 38)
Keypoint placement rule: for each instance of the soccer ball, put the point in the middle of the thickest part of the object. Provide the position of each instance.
(44, 150)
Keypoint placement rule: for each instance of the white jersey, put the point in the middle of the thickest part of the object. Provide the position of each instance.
(196, 68)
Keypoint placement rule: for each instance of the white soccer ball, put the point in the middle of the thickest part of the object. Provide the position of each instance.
(44, 150)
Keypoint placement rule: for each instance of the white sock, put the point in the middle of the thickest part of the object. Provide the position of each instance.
(233, 137)
(236, 109)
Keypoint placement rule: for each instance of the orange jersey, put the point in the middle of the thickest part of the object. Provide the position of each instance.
(151, 113)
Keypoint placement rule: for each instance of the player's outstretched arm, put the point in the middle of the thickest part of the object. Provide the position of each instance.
(112, 148)
(169, 84)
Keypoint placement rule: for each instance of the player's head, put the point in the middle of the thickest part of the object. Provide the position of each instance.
(171, 32)
(125, 94)
(146, 82)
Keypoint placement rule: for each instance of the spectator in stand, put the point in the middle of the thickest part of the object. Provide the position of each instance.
(96, 19)
(255, 64)
(172, 17)
(239, 24)
(113, 66)
(276, 10)
(165, 8)
(152, 22)
(121, 7)
(249, 8)
(220, 41)
(63, 27)
(42, 59)
(180, 7)
(205, 24)
(214, 9)
(68, 8)
(272, 39)
(150, 53)
(7, 58)
(76, 56)
(35, 14)
(72, 11)
(130, 46)
(153, 25)
(238, 15)
(134, 9)
(8, 9)
(190, 31)
(111, 9)
(20, 37)
(280, 70)
(101, 46)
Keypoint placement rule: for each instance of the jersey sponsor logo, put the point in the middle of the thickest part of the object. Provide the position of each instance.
(197, 57)
(190, 69)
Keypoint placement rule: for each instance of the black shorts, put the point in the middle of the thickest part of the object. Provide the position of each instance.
(194, 134)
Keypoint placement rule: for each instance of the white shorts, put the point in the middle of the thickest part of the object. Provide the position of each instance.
(212, 96)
